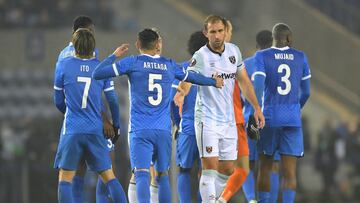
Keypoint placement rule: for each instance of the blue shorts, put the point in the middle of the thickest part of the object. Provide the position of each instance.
(186, 150)
(287, 140)
(254, 153)
(150, 145)
(90, 147)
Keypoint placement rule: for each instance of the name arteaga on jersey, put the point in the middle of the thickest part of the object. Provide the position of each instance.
(225, 75)
(284, 56)
(153, 65)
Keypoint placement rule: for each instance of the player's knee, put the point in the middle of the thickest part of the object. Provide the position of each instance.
(163, 173)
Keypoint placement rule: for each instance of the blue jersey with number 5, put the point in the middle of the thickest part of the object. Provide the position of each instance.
(82, 95)
(284, 69)
(150, 79)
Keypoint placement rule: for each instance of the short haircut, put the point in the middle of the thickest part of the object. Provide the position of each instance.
(196, 41)
(264, 39)
(281, 31)
(213, 19)
(82, 22)
(148, 38)
(84, 43)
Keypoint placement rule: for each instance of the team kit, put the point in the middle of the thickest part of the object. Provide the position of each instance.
(226, 113)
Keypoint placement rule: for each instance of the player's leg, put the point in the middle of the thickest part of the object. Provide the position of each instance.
(249, 184)
(154, 190)
(186, 154)
(208, 145)
(274, 178)
(266, 145)
(98, 159)
(102, 194)
(78, 182)
(141, 152)
(241, 170)
(67, 159)
(65, 186)
(162, 164)
(132, 190)
(291, 147)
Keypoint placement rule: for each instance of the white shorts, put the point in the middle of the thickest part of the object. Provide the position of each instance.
(216, 141)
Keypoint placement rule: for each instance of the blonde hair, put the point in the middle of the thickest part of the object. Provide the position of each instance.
(84, 43)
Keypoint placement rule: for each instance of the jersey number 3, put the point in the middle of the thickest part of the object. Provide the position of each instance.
(284, 79)
(87, 82)
(153, 86)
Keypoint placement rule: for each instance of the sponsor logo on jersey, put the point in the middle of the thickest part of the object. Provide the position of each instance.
(225, 75)
(192, 63)
(232, 59)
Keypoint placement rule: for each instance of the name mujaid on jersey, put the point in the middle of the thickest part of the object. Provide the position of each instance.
(284, 69)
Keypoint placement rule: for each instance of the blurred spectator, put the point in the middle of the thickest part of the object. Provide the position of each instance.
(325, 159)
(353, 151)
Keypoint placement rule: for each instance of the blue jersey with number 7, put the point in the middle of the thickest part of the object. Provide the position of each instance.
(284, 69)
(82, 95)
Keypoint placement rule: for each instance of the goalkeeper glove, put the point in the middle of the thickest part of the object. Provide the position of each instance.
(252, 128)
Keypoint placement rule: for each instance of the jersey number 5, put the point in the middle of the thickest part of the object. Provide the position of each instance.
(285, 79)
(87, 82)
(153, 86)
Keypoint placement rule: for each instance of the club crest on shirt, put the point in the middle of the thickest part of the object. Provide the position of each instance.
(209, 149)
(232, 59)
(192, 63)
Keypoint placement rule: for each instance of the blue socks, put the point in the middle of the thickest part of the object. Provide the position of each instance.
(65, 192)
(143, 186)
(184, 187)
(116, 191)
(102, 194)
(288, 196)
(264, 197)
(274, 187)
(249, 187)
(164, 189)
(78, 188)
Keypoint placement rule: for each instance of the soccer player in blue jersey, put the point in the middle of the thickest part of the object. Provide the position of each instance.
(79, 98)
(186, 148)
(282, 79)
(263, 41)
(150, 77)
(110, 130)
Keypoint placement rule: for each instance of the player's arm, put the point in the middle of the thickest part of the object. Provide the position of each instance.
(305, 83)
(107, 68)
(112, 99)
(59, 96)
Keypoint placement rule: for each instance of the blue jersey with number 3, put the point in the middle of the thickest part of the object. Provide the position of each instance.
(82, 95)
(150, 79)
(284, 69)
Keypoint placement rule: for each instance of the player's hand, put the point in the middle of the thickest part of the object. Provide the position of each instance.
(252, 128)
(259, 117)
(219, 81)
(121, 50)
(179, 101)
(108, 129)
(117, 135)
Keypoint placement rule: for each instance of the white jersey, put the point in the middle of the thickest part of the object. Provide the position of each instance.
(215, 106)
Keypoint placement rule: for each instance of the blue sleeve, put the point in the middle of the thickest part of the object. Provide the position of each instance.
(259, 65)
(199, 79)
(259, 86)
(305, 92)
(108, 68)
(259, 76)
(306, 69)
(59, 100)
(113, 101)
(59, 96)
(175, 116)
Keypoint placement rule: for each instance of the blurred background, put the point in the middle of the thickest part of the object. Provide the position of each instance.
(33, 32)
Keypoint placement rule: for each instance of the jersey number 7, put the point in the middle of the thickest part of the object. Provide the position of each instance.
(87, 82)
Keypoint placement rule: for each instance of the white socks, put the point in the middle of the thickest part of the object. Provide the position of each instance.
(154, 194)
(207, 186)
(220, 183)
(132, 193)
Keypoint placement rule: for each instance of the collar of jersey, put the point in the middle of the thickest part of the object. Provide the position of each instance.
(213, 51)
(84, 59)
(281, 48)
(155, 56)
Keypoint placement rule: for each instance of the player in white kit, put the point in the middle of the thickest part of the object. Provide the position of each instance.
(215, 124)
